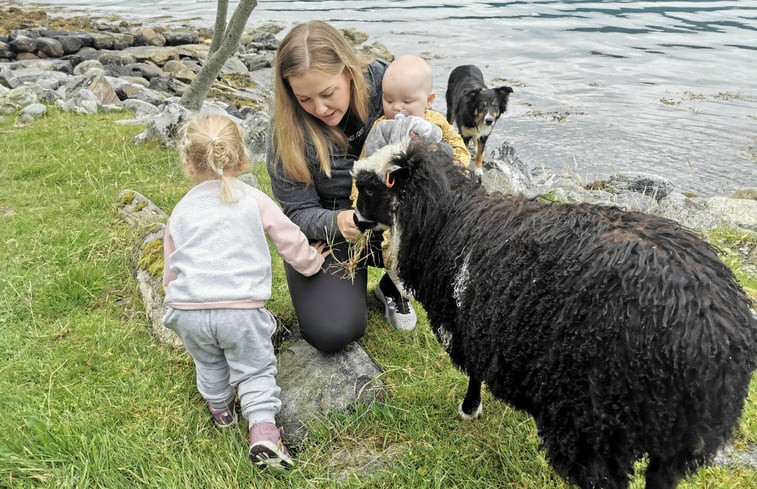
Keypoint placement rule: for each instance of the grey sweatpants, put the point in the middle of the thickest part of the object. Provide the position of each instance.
(232, 350)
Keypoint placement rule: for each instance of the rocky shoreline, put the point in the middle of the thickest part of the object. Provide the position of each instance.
(84, 65)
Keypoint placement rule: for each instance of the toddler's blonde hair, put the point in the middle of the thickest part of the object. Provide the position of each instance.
(212, 144)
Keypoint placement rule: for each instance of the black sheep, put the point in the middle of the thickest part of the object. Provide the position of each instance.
(622, 334)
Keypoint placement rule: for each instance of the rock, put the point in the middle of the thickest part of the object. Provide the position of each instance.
(173, 66)
(141, 213)
(23, 44)
(45, 79)
(745, 193)
(140, 92)
(7, 78)
(165, 126)
(118, 58)
(137, 210)
(314, 384)
(26, 56)
(506, 173)
(102, 41)
(689, 212)
(234, 65)
(90, 66)
(98, 85)
(149, 37)
(142, 70)
(648, 184)
(741, 213)
(17, 98)
(122, 40)
(167, 85)
(198, 51)
(378, 50)
(50, 47)
(156, 55)
(354, 36)
(180, 37)
(256, 128)
(82, 101)
(249, 179)
(69, 43)
(150, 282)
(140, 108)
(256, 61)
(31, 112)
(731, 456)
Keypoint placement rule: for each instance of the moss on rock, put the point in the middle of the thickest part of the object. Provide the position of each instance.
(151, 258)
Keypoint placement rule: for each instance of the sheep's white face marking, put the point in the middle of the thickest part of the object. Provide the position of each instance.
(380, 161)
(461, 281)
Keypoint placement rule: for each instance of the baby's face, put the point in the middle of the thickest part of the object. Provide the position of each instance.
(404, 95)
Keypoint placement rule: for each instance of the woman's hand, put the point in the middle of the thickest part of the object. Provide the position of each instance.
(345, 221)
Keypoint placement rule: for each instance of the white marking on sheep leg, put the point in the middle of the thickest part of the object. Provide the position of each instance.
(475, 414)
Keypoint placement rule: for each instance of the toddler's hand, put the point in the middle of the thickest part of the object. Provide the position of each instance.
(320, 246)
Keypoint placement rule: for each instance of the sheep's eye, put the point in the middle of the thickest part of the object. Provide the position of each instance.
(368, 192)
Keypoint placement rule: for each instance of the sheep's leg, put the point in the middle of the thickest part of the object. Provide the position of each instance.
(661, 474)
(470, 408)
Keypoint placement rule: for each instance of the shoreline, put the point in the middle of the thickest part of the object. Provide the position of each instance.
(86, 65)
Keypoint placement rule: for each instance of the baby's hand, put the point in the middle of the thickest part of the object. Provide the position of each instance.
(320, 246)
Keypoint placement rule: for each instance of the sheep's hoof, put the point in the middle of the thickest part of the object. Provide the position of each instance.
(470, 417)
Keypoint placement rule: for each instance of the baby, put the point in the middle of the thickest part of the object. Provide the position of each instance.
(407, 89)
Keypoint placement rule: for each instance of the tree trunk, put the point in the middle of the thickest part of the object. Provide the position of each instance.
(220, 28)
(198, 89)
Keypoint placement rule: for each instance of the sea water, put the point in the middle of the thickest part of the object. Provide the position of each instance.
(661, 87)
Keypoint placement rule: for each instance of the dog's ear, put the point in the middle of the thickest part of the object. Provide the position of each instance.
(471, 95)
(503, 93)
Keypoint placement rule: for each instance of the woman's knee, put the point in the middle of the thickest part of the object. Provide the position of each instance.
(333, 335)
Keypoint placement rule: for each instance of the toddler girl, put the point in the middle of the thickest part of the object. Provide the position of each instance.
(217, 277)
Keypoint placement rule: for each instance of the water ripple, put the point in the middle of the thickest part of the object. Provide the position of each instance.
(668, 87)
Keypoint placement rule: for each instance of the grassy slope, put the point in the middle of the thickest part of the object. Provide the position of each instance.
(90, 400)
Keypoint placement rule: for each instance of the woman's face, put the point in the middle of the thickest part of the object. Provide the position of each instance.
(325, 97)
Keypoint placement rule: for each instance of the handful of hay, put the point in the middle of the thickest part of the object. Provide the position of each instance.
(358, 251)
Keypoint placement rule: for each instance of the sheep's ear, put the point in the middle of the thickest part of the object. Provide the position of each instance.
(396, 174)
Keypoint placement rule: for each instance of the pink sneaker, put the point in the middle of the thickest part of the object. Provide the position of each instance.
(224, 417)
(266, 448)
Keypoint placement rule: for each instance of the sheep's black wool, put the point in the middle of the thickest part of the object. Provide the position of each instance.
(622, 334)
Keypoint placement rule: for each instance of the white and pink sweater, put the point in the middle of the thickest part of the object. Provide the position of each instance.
(216, 254)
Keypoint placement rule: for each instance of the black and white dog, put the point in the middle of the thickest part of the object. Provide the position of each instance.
(474, 107)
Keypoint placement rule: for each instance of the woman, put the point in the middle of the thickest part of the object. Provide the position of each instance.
(326, 99)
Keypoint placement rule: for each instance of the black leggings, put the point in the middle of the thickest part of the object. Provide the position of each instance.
(332, 309)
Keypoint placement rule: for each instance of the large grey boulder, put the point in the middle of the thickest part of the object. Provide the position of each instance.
(314, 384)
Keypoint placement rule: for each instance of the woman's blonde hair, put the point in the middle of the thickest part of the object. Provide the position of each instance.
(213, 143)
(317, 46)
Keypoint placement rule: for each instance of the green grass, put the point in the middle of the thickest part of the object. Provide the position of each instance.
(90, 400)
